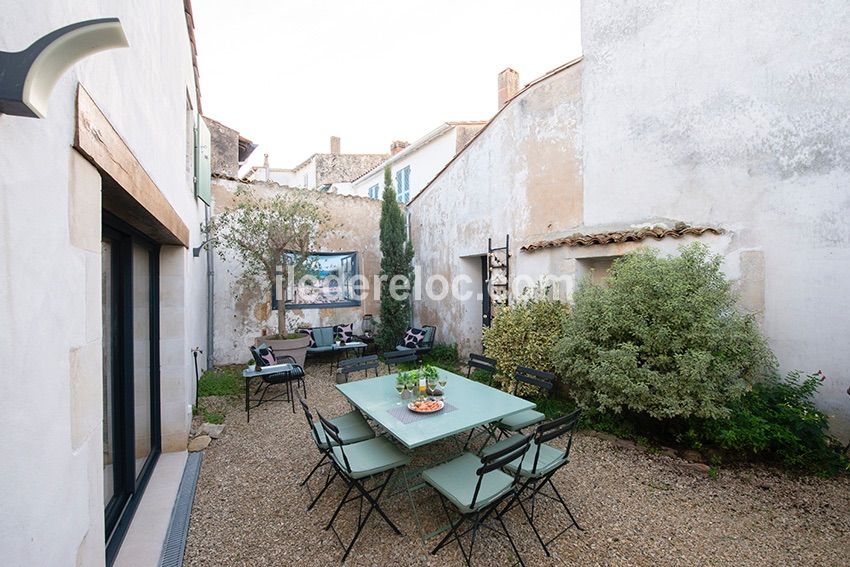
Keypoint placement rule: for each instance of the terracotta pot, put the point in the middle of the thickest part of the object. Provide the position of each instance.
(296, 348)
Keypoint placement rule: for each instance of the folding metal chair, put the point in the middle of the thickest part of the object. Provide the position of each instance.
(360, 364)
(353, 428)
(536, 471)
(529, 417)
(288, 377)
(476, 487)
(356, 464)
(396, 357)
(481, 363)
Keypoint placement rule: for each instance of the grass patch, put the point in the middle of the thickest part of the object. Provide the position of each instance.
(222, 381)
(214, 417)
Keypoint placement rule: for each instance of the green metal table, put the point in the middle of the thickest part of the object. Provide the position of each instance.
(475, 405)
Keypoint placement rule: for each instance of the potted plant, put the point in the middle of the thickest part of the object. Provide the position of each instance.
(271, 238)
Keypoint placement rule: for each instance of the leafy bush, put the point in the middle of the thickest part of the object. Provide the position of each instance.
(778, 421)
(661, 337)
(524, 334)
(443, 355)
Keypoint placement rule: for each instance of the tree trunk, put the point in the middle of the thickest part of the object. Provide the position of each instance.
(281, 318)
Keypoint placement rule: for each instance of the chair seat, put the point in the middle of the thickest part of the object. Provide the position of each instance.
(457, 478)
(353, 428)
(521, 420)
(549, 458)
(368, 458)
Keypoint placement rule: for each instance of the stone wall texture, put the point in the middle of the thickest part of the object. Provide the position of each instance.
(335, 168)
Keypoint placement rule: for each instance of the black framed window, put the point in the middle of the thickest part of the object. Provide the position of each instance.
(131, 410)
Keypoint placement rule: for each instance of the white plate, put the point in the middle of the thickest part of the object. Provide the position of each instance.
(412, 408)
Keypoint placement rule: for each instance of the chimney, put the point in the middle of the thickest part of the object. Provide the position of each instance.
(334, 144)
(266, 165)
(508, 86)
(397, 146)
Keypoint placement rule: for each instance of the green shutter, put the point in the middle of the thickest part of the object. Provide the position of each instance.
(203, 170)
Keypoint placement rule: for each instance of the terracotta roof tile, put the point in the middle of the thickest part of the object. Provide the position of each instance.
(629, 235)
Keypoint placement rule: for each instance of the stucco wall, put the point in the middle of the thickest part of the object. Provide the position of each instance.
(424, 162)
(521, 176)
(242, 309)
(734, 114)
(51, 480)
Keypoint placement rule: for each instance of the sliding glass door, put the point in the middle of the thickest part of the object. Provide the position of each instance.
(130, 373)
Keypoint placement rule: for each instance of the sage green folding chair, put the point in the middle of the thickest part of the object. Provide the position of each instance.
(529, 417)
(538, 468)
(357, 464)
(353, 428)
(476, 487)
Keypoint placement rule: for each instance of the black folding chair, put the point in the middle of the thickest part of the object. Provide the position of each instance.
(396, 357)
(526, 418)
(294, 375)
(541, 464)
(455, 480)
(481, 363)
(353, 428)
(356, 464)
(360, 364)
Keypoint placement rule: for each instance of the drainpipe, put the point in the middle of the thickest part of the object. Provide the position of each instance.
(210, 295)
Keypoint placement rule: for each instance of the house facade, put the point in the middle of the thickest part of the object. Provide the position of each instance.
(618, 151)
(413, 166)
(103, 300)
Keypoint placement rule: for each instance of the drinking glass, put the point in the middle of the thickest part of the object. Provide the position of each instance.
(442, 381)
(399, 387)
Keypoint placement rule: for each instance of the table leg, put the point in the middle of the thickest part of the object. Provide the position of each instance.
(247, 407)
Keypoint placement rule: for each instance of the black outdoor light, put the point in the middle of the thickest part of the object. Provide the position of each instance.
(27, 77)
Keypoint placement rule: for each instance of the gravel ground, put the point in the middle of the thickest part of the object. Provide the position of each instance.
(637, 508)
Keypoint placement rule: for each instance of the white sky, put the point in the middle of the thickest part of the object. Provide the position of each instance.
(290, 74)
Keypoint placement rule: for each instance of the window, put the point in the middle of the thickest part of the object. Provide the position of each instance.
(402, 185)
(373, 191)
(326, 280)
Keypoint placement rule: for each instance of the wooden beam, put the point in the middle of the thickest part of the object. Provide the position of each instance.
(128, 190)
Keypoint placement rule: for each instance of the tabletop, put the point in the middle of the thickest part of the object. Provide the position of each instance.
(266, 370)
(476, 403)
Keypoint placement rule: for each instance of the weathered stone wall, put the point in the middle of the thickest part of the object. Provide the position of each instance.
(734, 114)
(521, 176)
(334, 168)
(224, 156)
(242, 309)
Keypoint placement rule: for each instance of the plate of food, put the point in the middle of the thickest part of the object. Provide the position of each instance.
(428, 405)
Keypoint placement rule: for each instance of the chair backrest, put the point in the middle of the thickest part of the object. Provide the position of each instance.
(323, 336)
(263, 354)
(482, 363)
(310, 423)
(552, 429)
(539, 378)
(332, 433)
(394, 357)
(499, 459)
(362, 363)
(430, 333)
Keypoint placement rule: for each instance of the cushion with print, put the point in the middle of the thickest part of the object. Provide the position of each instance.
(266, 354)
(309, 333)
(413, 337)
(344, 333)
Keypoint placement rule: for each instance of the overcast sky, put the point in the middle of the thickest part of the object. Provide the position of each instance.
(290, 74)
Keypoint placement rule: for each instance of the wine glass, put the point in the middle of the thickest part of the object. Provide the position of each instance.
(410, 387)
(399, 387)
(432, 384)
(442, 380)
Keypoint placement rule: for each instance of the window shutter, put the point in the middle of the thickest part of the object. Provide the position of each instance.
(203, 169)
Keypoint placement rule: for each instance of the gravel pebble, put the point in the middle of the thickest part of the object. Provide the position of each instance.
(637, 508)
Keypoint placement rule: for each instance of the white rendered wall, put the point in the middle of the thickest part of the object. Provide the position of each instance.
(734, 114)
(50, 339)
(424, 164)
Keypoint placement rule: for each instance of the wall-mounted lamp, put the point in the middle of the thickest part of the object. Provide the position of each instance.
(27, 77)
(196, 251)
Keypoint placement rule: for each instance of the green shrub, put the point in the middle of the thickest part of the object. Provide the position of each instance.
(444, 356)
(524, 334)
(222, 381)
(778, 421)
(661, 337)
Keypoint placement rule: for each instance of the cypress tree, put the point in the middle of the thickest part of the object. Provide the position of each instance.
(396, 260)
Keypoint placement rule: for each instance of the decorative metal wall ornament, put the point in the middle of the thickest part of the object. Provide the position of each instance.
(27, 77)
(498, 277)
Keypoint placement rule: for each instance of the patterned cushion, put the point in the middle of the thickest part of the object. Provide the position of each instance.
(309, 333)
(343, 333)
(413, 337)
(266, 354)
